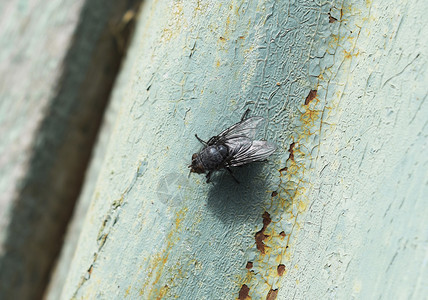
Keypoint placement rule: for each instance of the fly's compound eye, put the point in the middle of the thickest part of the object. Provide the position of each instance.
(196, 166)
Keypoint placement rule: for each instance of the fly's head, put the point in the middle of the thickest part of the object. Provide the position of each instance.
(196, 166)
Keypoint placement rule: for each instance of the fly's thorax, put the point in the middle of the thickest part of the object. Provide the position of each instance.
(222, 149)
(213, 157)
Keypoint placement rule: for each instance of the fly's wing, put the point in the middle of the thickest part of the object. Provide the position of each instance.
(238, 145)
(244, 129)
(252, 151)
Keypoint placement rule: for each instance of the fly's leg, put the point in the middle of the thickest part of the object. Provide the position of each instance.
(208, 176)
(245, 115)
(231, 173)
(203, 142)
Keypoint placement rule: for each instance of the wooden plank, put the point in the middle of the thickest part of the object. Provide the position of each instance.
(58, 62)
(338, 212)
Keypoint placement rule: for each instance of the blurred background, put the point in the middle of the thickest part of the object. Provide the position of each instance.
(58, 64)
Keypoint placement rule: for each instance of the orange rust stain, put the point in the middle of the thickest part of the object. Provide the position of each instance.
(334, 41)
(179, 218)
(292, 171)
(348, 55)
(161, 263)
(309, 117)
(283, 170)
(280, 269)
(177, 22)
(217, 63)
(158, 261)
(249, 265)
(312, 94)
(331, 19)
(291, 150)
(272, 294)
(244, 293)
(260, 236)
(127, 291)
(162, 292)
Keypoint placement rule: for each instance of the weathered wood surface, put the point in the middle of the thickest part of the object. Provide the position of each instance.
(58, 61)
(339, 212)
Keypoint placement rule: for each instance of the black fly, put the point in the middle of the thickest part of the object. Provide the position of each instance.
(233, 147)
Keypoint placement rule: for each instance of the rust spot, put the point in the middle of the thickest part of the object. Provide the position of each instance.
(261, 236)
(243, 292)
(331, 19)
(102, 240)
(274, 193)
(311, 96)
(280, 269)
(90, 270)
(266, 219)
(348, 55)
(282, 234)
(162, 292)
(249, 265)
(259, 241)
(278, 83)
(291, 151)
(242, 37)
(222, 39)
(283, 170)
(272, 294)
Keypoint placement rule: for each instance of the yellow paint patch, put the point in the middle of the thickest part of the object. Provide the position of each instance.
(127, 291)
(177, 23)
(158, 262)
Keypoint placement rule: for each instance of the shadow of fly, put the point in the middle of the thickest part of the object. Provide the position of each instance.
(234, 146)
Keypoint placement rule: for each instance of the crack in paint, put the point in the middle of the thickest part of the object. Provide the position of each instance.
(108, 223)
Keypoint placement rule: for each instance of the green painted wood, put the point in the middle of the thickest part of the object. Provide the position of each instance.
(337, 212)
(58, 61)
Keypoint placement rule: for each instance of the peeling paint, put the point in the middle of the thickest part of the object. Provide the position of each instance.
(243, 293)
(179, 237)
(272, 294)
(290, 200)
(312, 94)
